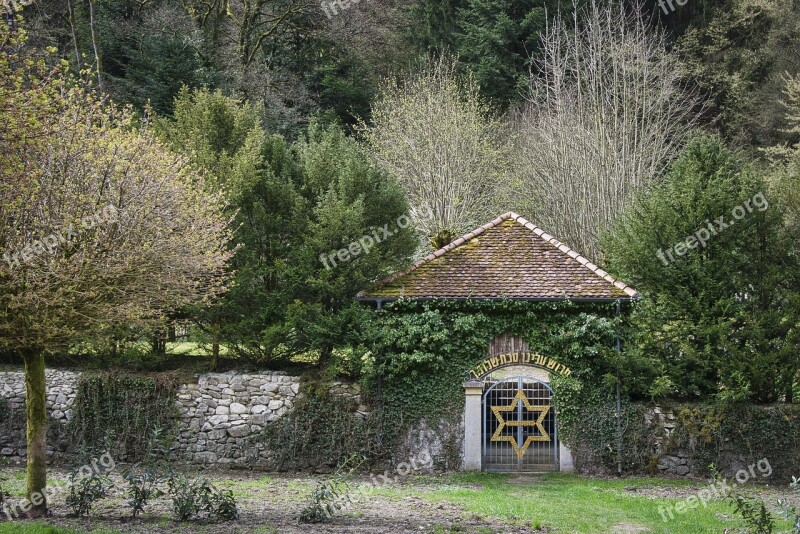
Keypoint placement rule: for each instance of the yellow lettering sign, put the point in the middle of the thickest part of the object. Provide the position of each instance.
(514, 358)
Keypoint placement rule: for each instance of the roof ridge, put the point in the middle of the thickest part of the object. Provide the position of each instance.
(586, 262)
(526, 224)
(447, 248)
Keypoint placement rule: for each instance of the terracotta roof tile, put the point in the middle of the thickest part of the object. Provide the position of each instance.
(506, 258)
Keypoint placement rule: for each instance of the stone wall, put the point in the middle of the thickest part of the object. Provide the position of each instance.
(686, 461)
(61, 391)
(662, 422)
(218, 413)
(221, 411)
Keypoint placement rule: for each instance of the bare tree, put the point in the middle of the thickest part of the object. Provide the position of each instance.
(436, 135)
(606, 115)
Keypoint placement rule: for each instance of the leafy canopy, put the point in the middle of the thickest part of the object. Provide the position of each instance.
(721, 316)
(293, 204)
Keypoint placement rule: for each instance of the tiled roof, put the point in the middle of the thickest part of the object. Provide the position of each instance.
(506, 258)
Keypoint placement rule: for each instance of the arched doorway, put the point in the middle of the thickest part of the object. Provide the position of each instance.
(519, 427)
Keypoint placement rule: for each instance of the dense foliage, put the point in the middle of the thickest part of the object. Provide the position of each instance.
(325, 430)
(316, 133)
(101, 225)
(715, 264)
(119, 414)
(294, 208)
(421, 352)
(714, 434)
(605, 432)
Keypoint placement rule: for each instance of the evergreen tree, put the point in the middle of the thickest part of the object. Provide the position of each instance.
(709, 252)
(295, 208)
(496, 40)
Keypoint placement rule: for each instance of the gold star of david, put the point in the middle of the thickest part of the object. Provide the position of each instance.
(543, 435)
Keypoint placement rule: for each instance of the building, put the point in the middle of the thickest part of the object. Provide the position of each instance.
(510, 417)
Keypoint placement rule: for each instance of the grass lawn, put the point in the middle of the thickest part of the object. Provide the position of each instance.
(479, 503)
(570, 503)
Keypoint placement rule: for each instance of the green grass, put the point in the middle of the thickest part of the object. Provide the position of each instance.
(571, 503)
(40, 528)
(194, 349)
(244, 488)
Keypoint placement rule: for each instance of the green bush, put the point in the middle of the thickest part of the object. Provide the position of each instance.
(420, 351)
(332, 494)
(144, 478)
(754, 513)
(720, 316)
(601, 437)
(85, 490)
(143, 485)
(325, 430)
(191, 498)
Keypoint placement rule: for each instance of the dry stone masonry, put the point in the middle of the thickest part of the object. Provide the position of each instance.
(219, 413)
(61, 391)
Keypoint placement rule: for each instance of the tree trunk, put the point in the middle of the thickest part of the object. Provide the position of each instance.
(172, 334)
(159, 344)
(36, 412)
(94, 45)
(325, 357)
(215, 348)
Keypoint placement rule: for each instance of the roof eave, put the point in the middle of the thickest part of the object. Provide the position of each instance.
(527, 299)
(631, 293)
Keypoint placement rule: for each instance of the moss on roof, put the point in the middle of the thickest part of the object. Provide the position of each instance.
(506, 258)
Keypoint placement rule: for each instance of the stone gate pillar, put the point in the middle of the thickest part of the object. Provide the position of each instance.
(473, 441)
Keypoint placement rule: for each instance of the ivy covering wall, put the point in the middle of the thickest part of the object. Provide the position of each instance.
(738, 434)
(121, 413)
(421, 350)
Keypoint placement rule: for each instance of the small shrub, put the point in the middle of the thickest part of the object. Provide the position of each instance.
(790, 512)
(144, 478)
(85, 490)
(753, 511)
(220, 504)
(332, 494)
(757, 518)
(143, 485)
(184, 503)
(190, 498)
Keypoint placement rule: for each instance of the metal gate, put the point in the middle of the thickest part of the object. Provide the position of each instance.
(519, 426)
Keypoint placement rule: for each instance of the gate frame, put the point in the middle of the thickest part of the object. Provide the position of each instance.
(520, 380)
(473, 429)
